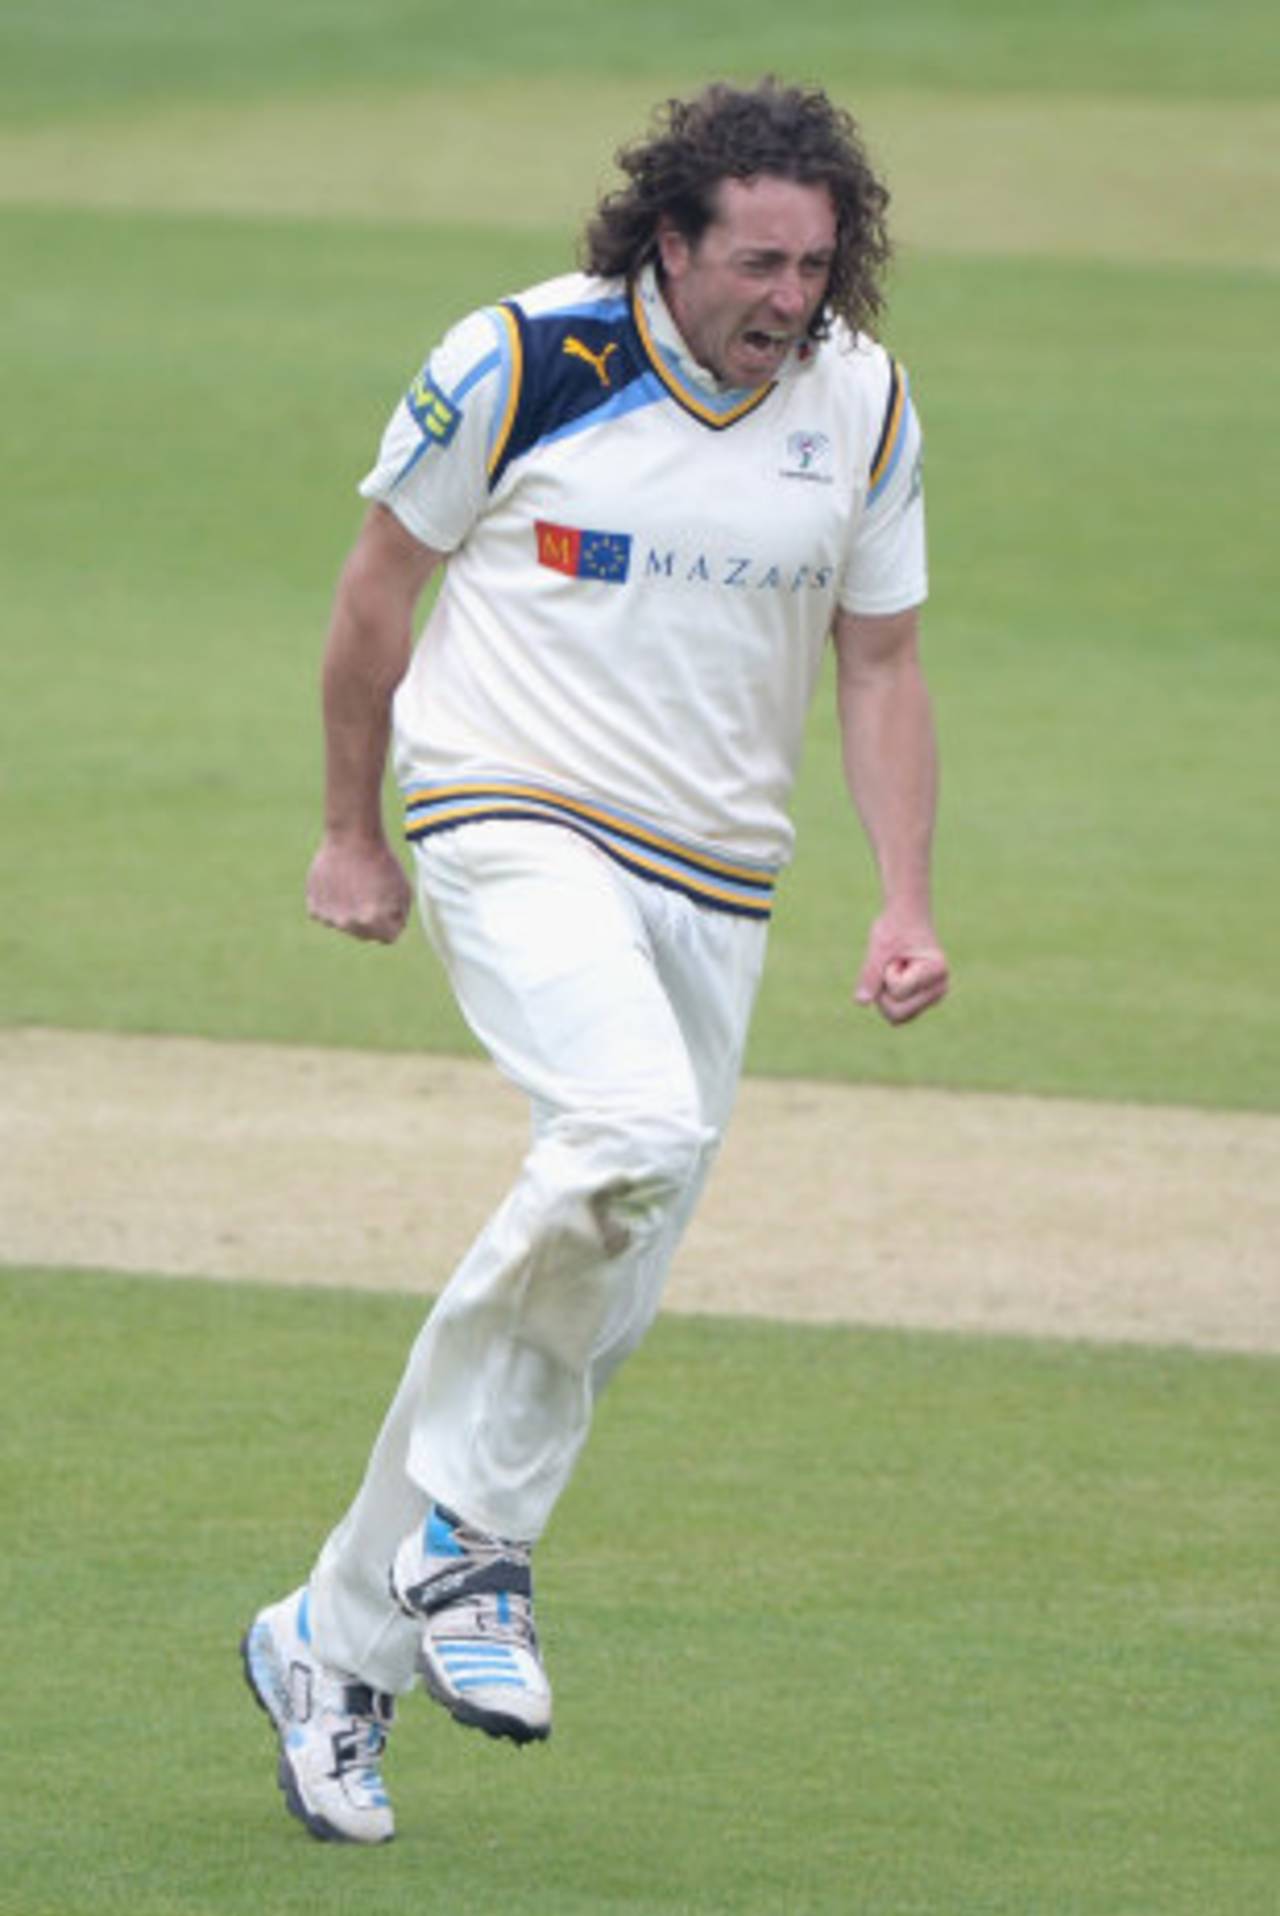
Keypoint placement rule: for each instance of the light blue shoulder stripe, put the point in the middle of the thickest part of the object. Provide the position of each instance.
(613, 306)
(648, 390)
(410, 462)
(493, 361)
(479, 371)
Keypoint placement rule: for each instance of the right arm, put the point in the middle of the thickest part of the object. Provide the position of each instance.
(356, 883)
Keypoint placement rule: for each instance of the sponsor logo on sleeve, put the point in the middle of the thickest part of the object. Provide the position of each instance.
(437, 416)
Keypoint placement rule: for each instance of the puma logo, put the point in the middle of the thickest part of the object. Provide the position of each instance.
(574, 349)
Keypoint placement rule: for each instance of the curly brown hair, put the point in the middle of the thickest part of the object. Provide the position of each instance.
(728, 132)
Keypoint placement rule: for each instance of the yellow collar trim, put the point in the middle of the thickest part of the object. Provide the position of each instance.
(680, 392)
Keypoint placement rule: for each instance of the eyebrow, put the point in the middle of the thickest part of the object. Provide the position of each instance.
(820, 255)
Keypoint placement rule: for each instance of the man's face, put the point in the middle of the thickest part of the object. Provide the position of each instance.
(745, 293)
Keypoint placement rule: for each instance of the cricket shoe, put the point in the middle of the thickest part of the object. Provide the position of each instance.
(478, 1654)
(332, 1728)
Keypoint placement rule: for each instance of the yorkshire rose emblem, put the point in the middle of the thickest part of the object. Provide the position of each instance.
(808, 455)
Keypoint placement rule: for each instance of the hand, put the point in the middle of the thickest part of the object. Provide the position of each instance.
(359, 889)
(905, 970)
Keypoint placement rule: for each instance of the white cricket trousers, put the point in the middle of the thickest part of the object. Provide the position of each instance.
(621, 1009)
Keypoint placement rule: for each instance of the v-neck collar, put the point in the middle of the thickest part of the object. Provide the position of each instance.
(690, 384)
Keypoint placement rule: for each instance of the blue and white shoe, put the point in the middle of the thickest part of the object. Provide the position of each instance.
(473, 1595)
(332, 1729)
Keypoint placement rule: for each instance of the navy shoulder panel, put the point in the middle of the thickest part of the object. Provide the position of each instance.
(570, 364)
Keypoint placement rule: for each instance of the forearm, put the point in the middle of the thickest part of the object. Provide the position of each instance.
(370, 637)
(364, 661)
(891, 767)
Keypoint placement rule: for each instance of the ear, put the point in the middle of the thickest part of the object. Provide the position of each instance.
(673, 248)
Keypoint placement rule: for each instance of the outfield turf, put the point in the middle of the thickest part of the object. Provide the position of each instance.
(1099, 641)
(64, 58)
(838, 1622)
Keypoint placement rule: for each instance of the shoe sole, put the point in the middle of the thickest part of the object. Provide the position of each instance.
(286, 1781)
(494, 1723)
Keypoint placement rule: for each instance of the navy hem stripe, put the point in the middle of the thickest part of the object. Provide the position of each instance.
(713, 900)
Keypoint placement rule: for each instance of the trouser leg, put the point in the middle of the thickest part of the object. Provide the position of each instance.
(709, 965)
(553, 964)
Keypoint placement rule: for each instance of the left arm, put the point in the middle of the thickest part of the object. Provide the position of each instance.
(891, 768)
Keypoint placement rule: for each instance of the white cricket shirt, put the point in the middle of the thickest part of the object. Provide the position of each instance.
(643, 570)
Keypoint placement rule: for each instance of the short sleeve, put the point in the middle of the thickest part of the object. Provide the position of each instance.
(886, 570)
(436, 454)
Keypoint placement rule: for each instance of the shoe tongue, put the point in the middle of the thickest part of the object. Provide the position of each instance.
(441, 1535)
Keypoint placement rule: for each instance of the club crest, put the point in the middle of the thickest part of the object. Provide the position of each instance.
(808, 456)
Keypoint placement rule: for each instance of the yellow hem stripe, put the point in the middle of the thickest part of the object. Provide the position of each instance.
(613, 821)
(688, 881)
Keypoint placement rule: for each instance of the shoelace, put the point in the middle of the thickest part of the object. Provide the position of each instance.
(502, 1618)
(355, 1760)
(359, 1744)
(501, 1609)
(484, 1549)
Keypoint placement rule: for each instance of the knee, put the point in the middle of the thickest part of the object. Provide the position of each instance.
(648, 1150)
(628, 1168)
(659, 1159)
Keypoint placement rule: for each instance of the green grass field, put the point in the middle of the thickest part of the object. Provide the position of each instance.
(897, 1625)
(69, 58)
(934, 1625)
(207, 356)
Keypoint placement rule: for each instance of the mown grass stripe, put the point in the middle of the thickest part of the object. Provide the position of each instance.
(1080, 176)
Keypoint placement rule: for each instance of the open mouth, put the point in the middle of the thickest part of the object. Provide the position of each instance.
(760, 341)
